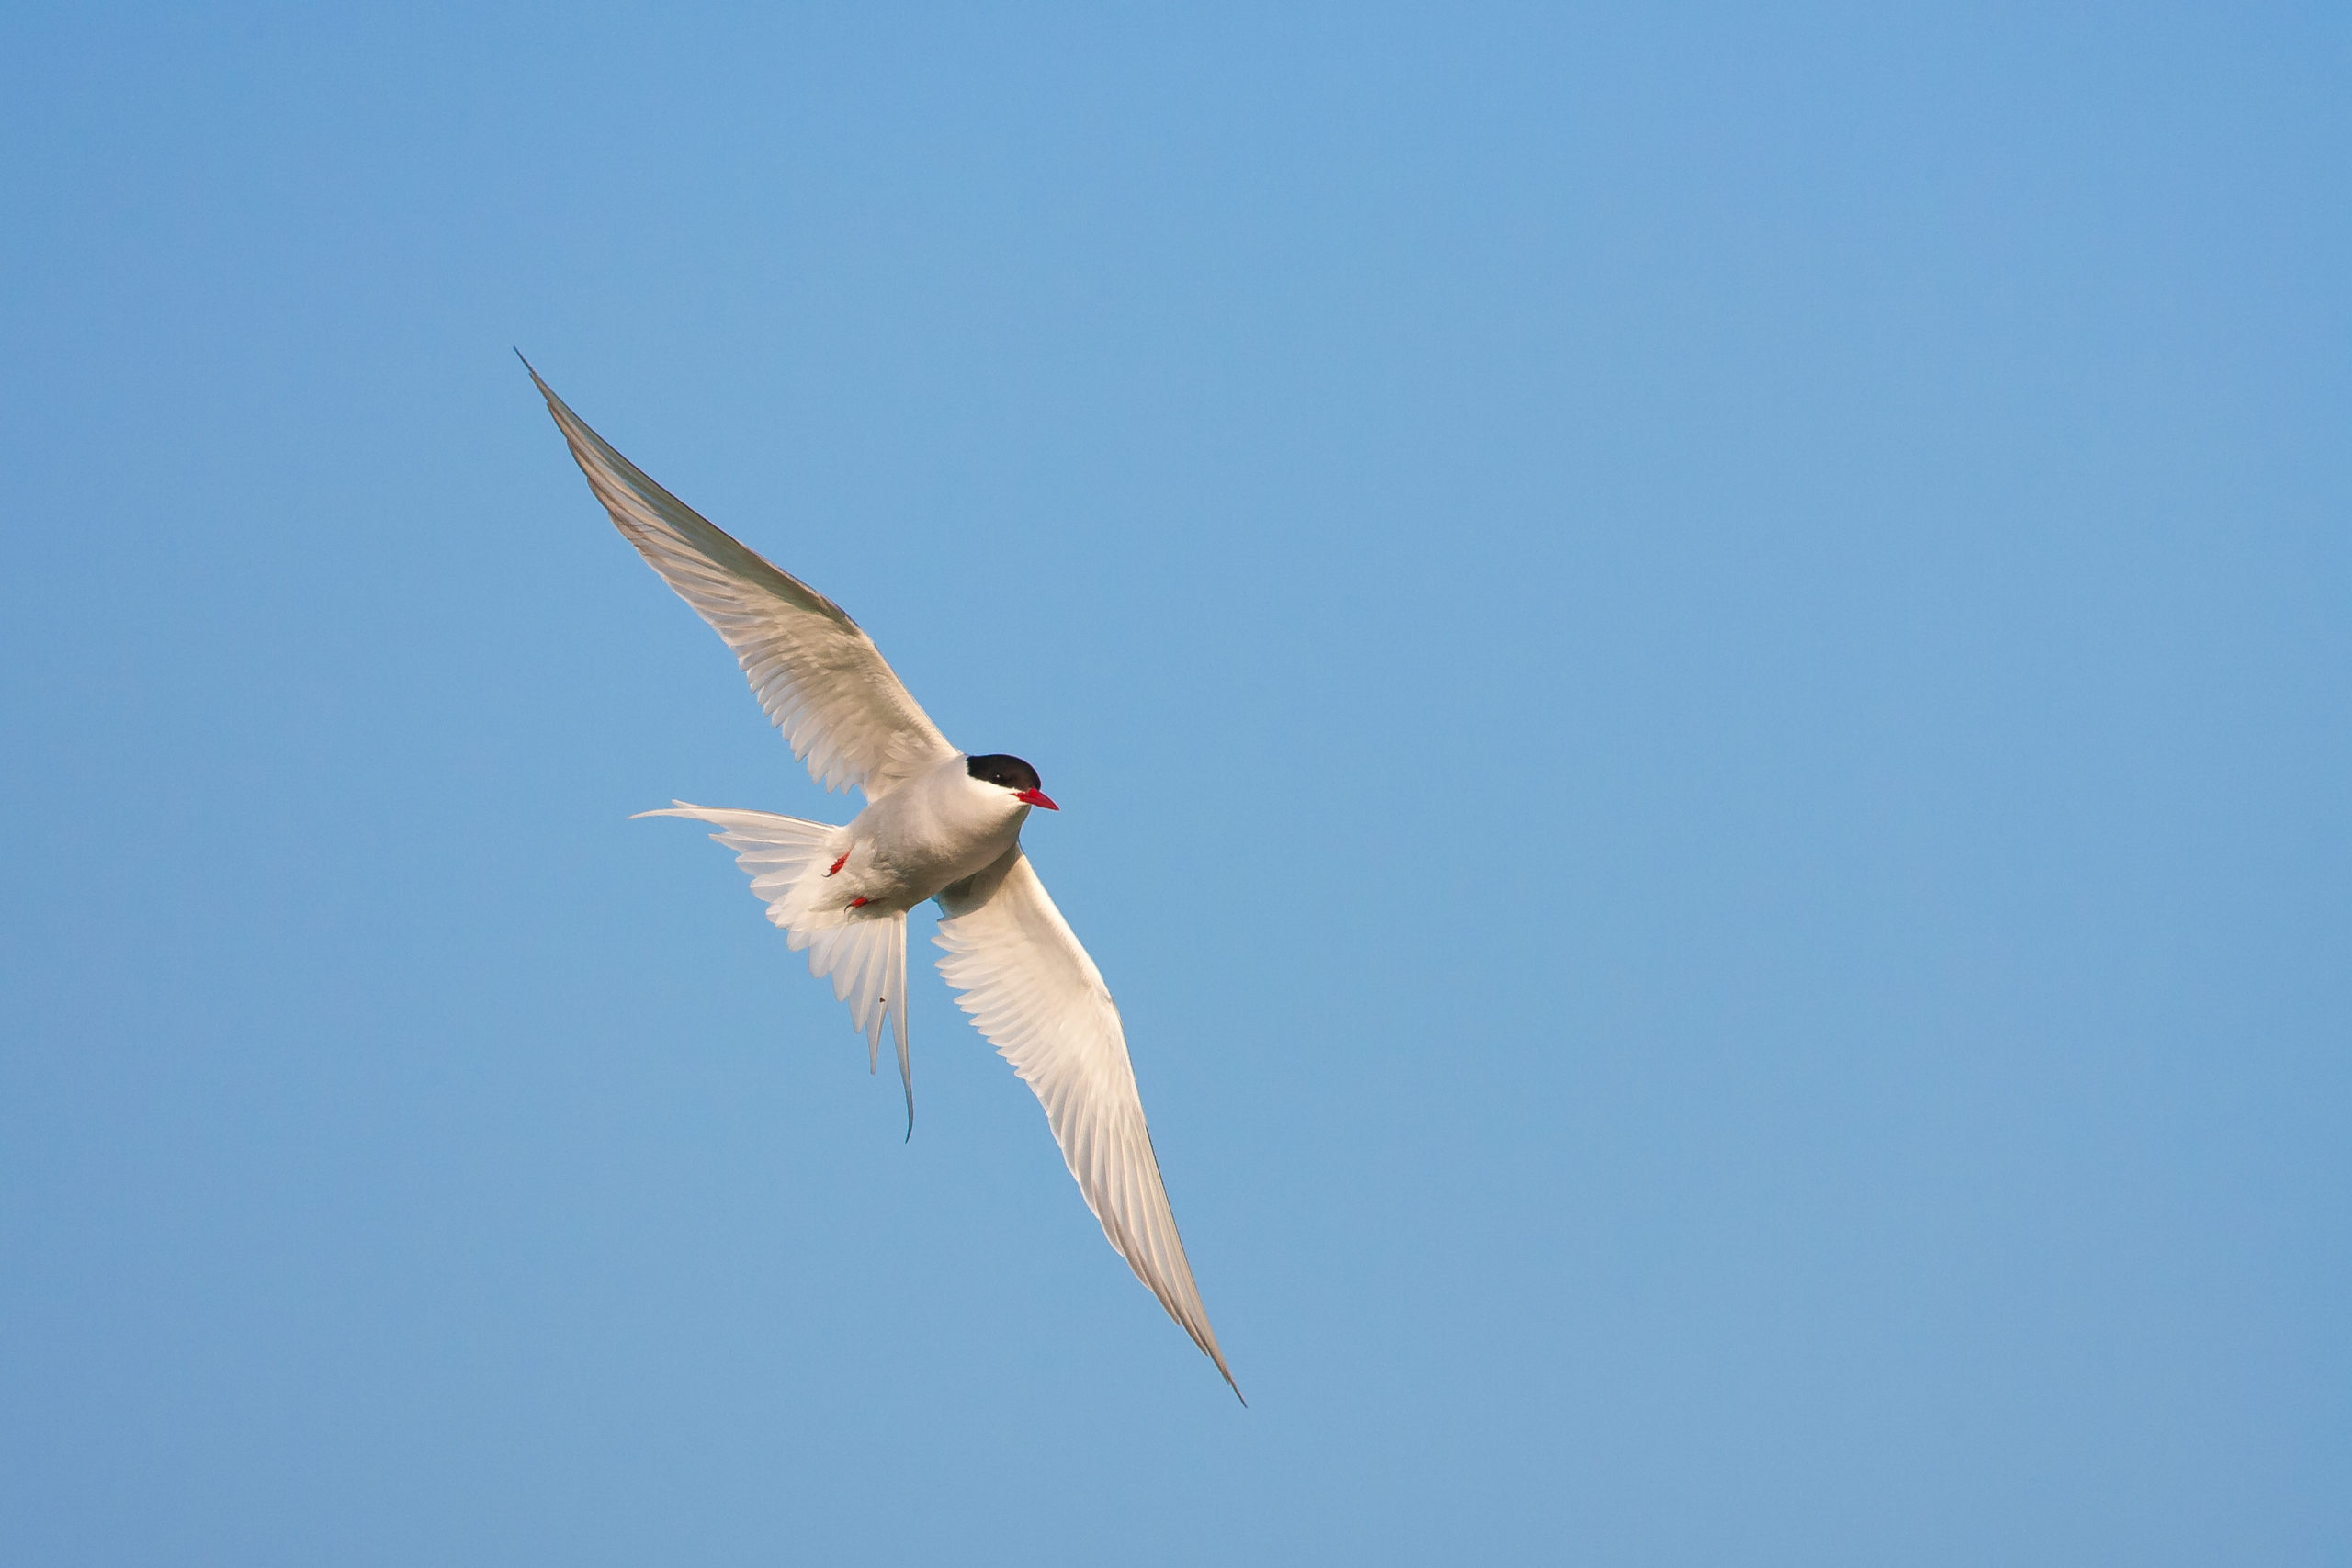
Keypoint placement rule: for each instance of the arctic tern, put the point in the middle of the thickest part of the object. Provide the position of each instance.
(938, 824)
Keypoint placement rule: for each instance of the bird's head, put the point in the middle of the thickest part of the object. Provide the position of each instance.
(1012, 775)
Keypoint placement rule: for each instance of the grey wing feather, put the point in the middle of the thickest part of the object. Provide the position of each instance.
(817, 676)
(1035, 995)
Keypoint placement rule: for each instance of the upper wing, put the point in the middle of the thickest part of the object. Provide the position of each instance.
(1036, 995)
(819, 679)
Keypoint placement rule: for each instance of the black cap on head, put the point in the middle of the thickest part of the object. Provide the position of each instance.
(1010, 772)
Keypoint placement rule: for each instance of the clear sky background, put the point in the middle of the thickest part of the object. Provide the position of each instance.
(1698, 662)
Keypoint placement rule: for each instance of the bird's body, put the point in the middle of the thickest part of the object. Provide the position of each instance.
(939, 824)
(934, 829)
(938, 827)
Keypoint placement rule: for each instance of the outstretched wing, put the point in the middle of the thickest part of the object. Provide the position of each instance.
(817, 676)
(1036, 995)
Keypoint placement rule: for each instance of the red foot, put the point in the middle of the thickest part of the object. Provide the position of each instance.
(857, 903)
(840, 862)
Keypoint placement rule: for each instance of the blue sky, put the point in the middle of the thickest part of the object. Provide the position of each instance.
(1697, 662)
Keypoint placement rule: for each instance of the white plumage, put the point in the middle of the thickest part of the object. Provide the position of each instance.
(937, 824)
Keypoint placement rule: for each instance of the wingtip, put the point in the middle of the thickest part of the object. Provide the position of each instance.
(540, 382)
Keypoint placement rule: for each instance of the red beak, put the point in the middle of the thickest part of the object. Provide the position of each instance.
(1036, 797)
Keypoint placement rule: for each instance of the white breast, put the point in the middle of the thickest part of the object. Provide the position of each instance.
(935, 828)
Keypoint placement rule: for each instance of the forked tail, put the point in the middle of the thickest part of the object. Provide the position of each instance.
(864, 955)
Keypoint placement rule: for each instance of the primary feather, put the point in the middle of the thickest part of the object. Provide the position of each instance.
(819, 677)
(1036, 995)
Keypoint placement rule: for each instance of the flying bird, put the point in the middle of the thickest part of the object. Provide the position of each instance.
(938, 824)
